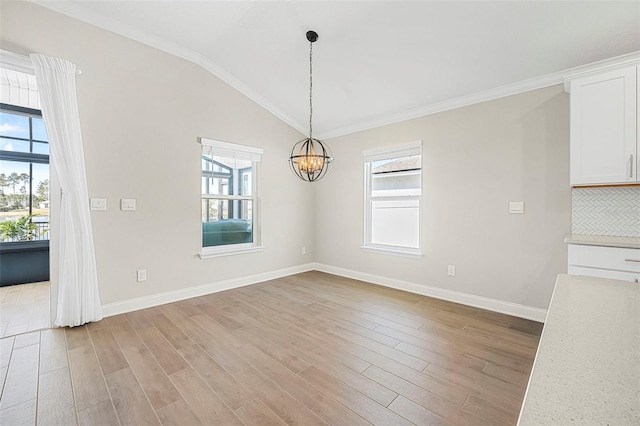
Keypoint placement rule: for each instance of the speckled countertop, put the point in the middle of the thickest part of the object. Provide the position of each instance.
(603, 240)
(587, 368)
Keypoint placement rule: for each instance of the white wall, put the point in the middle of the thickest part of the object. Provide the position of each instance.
(141, 112)
(475, 160)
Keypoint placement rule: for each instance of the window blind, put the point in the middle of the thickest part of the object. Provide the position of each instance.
(18, 81)
(394, 151)
(231, 150)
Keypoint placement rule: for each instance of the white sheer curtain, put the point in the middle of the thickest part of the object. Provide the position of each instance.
(78, 297)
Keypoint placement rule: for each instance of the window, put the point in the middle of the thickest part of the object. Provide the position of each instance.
(393, 181)
(24, 175)
(230, 222)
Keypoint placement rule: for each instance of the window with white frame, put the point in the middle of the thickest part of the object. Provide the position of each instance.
(229, 184)
(393, 192)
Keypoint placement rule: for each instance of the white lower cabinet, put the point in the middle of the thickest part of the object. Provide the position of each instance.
(604, 262)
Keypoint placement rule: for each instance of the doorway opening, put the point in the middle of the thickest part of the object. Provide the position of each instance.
(24, 217)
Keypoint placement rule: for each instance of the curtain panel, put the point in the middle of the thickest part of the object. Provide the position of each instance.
(78, 294)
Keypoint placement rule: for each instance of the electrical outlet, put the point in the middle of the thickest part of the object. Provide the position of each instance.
(142, 275)
(303, 250)
(451, 270)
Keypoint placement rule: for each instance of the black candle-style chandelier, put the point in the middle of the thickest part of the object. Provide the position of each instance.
(310, 158)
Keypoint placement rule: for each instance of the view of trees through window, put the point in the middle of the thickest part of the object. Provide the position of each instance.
(24, 175)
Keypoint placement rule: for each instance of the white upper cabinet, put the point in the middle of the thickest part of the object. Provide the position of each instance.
(604, 128)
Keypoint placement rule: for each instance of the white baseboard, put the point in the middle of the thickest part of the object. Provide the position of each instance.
(522, 311)
(137, 303)
(514, 309)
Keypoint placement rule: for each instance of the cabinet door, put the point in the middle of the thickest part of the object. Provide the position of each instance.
(603, 128)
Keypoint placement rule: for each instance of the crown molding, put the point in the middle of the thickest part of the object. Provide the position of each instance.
(611, 64)
(560, 77)
(113, 26)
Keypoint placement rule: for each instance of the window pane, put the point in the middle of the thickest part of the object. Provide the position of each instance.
(395, 223)
(232, 163)
(225, 176)
(206, 163)
(228, 222)
(14, 125)
(215, 186)
(397, 177)
(40, 200)
(39, 131)
(245, 178)
(244, 210)
(214, 210)
(400, 164)
(41, 148)
(14, 145)
(14, 199)
(226, 231)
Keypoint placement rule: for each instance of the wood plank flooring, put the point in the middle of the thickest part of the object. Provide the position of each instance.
(308, 349)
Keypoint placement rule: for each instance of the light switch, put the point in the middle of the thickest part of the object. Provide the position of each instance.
(98, 204)
(128, 204)
(516, 207)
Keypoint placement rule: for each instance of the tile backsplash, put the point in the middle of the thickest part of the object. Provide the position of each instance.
(613, 211)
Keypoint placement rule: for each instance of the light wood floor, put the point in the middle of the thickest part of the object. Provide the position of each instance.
(23, 308)
(309, 349)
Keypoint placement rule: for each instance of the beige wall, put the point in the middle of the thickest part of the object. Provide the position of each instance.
(475, 160)
(141, 112)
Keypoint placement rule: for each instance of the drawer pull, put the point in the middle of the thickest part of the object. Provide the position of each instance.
(632, 260)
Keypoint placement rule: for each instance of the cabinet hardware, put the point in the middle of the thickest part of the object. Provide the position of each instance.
(632, 260)
(631, 166)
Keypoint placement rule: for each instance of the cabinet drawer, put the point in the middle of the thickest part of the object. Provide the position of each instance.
(604, 273)
(619, 259)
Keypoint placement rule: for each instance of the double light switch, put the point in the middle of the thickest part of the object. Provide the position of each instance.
(126, 204)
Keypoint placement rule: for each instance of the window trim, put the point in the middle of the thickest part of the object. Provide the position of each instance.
(382, 153)
(232, 150)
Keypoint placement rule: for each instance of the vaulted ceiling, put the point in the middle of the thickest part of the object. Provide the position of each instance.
(375, 62)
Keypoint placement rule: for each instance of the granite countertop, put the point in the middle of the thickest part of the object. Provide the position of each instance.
(587, 368)
(603, 240)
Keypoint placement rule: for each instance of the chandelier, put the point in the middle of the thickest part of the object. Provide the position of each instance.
(310, 158)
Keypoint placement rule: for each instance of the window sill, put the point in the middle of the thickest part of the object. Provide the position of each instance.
(393, 251)
(205, 254)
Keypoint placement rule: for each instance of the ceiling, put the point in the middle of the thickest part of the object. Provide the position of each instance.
(376, 62)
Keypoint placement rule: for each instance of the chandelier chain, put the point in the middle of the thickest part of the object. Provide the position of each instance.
(310, 89)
